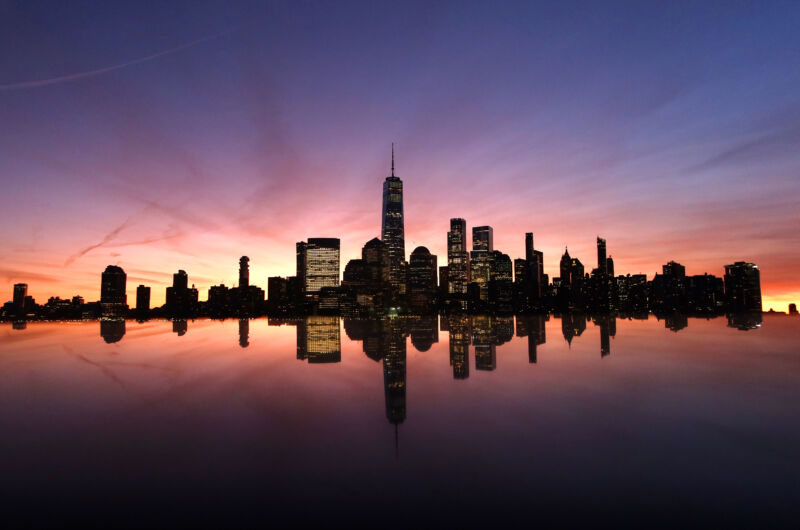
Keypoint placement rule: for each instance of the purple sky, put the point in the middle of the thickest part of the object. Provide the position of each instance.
(160, 137)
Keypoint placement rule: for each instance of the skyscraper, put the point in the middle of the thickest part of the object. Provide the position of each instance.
(142, 299)
(392, 227)
(181, 301)
(602, 264)
(113, 297)
(457, 257)
(422, 280)
(20, 292)
(321, 264)
(528, 246)
(112, 286)
(482, 238)
(743, 286)
(244, 272)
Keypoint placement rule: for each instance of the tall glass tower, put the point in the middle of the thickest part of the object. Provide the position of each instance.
(392, 231)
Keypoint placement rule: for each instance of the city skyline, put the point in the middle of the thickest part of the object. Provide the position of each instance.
(184, 146)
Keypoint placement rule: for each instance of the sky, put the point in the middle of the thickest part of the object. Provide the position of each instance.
(162, 136)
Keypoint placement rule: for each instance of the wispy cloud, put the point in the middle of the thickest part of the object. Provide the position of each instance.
(98, 71)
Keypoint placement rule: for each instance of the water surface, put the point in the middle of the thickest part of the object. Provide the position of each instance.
(461, 420)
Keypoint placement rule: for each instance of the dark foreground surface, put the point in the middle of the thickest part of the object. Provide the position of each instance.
(402, 423)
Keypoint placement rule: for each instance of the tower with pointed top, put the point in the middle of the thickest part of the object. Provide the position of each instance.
(392, 228)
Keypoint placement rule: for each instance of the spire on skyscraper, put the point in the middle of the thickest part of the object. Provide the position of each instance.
(392, 158)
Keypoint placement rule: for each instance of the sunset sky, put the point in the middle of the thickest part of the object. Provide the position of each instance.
(162, 137)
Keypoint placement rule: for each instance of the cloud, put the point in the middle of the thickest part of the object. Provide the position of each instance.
(91, 73)
(107, 239)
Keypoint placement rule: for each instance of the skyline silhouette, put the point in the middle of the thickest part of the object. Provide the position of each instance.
(251, 127)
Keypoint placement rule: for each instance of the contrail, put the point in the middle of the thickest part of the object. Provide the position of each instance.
(92, 73)
(108, 238)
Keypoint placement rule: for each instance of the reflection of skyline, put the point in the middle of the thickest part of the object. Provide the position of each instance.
(112, 330)
(318, 340)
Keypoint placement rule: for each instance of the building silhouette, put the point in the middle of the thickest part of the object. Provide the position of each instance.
(422, 286)
(602, 260)
(743, 287)
(392, 229)
(244, 272)
(181, 300)
(458, 272)
(20, 293)
(142, 300)
(113, 297)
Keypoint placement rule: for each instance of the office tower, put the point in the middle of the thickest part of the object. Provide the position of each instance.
(610, 266)
(219, 301)
(142, 299)
(180, 280)
(444, 280)
(792, 309)
(674, 270)
(602, 263)
(279, 293)
(482, 239)
(180, 299)
(480, 264)
(565, 268)
(301, 266)
(113, 297)
(457, 257)
(377, 260)
(112, 286)
(20, 293)
(422, 280)
(392, 227)
(244, 272)
(743, 286)
(320, 260)
(528, 246)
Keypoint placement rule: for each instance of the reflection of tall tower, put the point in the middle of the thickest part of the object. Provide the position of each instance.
(392, 227)
(483, 333)
(319, 340)
(244, 332)
(394, 374)
(460, 338)
(112, 330)
(180, 326)
(244, 272)
(605, 334)
(533, 327)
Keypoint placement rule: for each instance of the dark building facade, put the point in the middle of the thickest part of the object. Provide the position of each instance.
(743, 287)
(422, 285)
(113, 295)
(142, 299)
